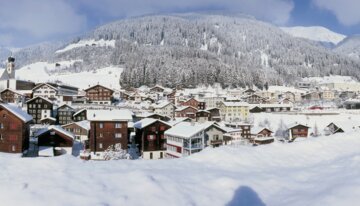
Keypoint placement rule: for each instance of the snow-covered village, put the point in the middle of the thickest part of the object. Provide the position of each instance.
(187, 108)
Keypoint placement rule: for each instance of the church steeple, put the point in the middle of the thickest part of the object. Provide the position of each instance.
(10, 67)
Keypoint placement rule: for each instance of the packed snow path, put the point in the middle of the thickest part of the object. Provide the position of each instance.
(317, 171)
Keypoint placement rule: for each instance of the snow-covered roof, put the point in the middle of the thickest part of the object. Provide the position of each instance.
(177, 120)
(110, 115)
(283, 89)
(296, 124)
(179, 109)
(55, 128)
(85, 124)
(18, 112)
(45, 99)
(257, 130)
(161, 104)
(271, 105)
(50, 118)
(189, 129)
(236, 104)
(78, 112)
(146, 122)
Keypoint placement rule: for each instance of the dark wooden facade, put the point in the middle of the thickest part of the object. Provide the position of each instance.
(194, 103)
(65, 114)
(187, 112)
(99, 93)
(157, 89)
(35, 107)
(14, 133)
(104, 134)
(152, 138)
(10, 96)
(55, 138)
(80, 115)
(299, 131)
(214, 114)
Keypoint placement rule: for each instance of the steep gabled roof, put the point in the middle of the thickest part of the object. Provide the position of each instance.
(109, 115)
(55, 128)
(40, 98)
(18, 112)
(42, 84)
(146, 122)
(99, 86)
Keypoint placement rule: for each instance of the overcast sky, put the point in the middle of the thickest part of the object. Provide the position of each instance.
(25, 22)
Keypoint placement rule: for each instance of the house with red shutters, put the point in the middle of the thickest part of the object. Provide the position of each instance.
(150, 137)
(107, 129)
(186, 111)
(194, 103)
(297, 130)
(14, 129)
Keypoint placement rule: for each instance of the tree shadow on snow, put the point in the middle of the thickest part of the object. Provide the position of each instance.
(245, 196)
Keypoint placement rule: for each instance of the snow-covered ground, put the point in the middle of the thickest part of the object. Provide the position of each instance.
(36, 72)
(318, 171)
(89, 43)
(315, 33)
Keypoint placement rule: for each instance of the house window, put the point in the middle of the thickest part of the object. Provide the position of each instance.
(153, 129)
(13, 148)
(12, 137)
(4, 115)
(100, 135)
(1, 126)
(101, 125)
(162, 128)
(117, 135)
(151, 137)
(162, 136)
(161, 155)
(118, 125)
(100, 145)
(13, 126)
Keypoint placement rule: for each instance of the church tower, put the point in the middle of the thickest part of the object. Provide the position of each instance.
(7, 79)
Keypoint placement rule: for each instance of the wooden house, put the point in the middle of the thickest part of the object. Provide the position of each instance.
(157, 89)
(262, 135)
(214, 114)
(99, 95)
(10, 96)
(65, 114)
(14, 129)
(203, 116)
(39, 108)
(56, 138)
(297, 130)
(80, 130)
(150, 137)
(186, 111)
(194, 103)
(108, 128)
(80, 115)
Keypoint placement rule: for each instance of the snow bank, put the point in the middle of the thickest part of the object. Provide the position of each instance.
(319, 171)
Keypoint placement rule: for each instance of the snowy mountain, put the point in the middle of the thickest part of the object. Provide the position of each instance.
(315, 33)
(350, 47)
(193, 49)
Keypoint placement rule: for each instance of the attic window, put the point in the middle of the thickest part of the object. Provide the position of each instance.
(52, 133)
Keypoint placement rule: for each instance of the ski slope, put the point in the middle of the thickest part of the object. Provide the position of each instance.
(108, 77)
(315, 33)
